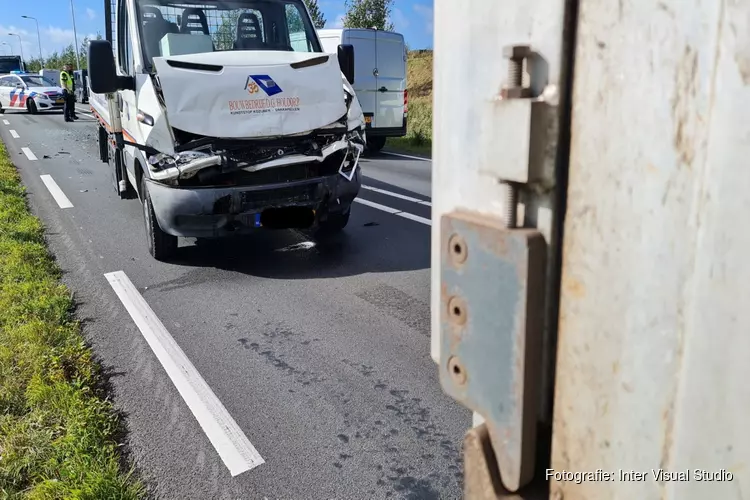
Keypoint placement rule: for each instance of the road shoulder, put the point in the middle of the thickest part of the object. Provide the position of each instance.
(59, 433)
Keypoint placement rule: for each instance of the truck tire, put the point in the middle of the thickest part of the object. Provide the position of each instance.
(161, 245)
(103, 139)
(375, 144)
(335, 223)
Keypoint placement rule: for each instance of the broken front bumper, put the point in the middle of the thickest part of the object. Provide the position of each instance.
(208, 212)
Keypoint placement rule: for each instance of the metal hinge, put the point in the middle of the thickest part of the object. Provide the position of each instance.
(492, 316)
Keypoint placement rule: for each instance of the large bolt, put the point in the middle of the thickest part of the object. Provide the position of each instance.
(515, 73)
(515, 55)
(511, 204)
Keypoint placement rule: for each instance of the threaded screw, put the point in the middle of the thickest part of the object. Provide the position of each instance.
(515, 73)
(511, 204)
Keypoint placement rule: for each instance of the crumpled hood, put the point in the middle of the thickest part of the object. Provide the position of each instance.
(248, 94)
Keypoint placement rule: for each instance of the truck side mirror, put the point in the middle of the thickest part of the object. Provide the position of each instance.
(346, 61)
(102, 73)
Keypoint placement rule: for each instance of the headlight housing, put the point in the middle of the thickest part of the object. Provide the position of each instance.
(163, 160)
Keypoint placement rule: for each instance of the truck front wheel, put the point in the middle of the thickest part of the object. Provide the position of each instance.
(161, 245)
(335, 223)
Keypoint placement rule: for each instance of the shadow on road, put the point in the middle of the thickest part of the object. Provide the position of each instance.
(369, 244)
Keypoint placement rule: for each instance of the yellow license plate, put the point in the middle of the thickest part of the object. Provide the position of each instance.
(60, 101)
(368, 119)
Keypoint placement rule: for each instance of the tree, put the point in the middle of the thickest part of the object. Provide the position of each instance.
(318, 19)
(68, 56)
(368, 14)
(227, 31)
(294, 19)
(83, 53)
(33, 65)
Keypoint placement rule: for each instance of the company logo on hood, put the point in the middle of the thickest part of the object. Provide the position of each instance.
(262, 82)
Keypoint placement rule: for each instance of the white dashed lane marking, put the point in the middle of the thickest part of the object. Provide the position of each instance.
(29, 154)
(56, 192)
(394, 211)
(398, 195)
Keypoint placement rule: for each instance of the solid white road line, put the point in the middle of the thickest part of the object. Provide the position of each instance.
(6, 122)
(234, 448)
(84, 110)
(406, 156)
(14, 134)
(398, 195)
(394, 211)
(56, 192)
(29, 154)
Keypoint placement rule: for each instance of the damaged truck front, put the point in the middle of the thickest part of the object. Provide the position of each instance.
(211, 117)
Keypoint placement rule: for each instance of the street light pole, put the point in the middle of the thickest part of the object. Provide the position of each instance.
(75, 35)
(9, 47)
(39, 39)
(20, 45)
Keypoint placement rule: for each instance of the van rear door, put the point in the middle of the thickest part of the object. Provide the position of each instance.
(391, 80)
(365, 67)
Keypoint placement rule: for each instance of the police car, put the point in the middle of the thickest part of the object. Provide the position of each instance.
(29, 92)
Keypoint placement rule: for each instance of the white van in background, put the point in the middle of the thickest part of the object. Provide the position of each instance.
(379, 78)
(52, 75)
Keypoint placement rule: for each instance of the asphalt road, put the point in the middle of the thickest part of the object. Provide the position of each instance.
(318, 352)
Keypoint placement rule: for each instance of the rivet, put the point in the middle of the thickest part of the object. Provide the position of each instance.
(456, 370)
(457, 310)
(457, 249)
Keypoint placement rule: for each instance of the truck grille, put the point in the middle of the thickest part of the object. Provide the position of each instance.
(253, 200)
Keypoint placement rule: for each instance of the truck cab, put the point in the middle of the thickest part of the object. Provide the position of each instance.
(9, 64)
(227, 117)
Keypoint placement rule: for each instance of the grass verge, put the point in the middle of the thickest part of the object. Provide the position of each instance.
(409, 146)
(57, 430)
(418, 139)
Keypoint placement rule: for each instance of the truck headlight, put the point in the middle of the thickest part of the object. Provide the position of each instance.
(164, 160)
(161, 160)
(188, 156)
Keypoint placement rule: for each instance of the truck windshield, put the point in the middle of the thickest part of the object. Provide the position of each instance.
(178, 27)
(9, 63)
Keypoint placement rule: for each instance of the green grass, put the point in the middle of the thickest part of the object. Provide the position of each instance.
(408, 145)
(418, 137)
(57, 430)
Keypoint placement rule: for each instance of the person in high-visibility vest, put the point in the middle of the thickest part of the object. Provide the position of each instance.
(68, 85)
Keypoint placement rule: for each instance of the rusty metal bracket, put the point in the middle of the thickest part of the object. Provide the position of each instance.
(492, 289)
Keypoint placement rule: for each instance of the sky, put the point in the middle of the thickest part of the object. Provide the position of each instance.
(413, 18)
